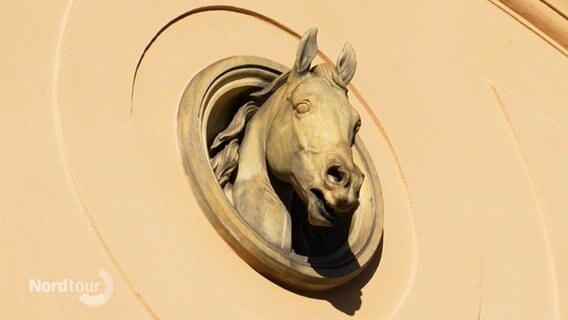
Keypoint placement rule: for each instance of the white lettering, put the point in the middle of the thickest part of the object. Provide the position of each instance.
(70, 285)
(35, 285)
(46, 287)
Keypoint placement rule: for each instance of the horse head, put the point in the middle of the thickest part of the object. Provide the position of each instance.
(309, 141)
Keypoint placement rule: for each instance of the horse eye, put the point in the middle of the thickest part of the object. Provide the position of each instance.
(302, 107)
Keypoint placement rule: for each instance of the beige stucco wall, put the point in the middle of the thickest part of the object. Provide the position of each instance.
(465, 113)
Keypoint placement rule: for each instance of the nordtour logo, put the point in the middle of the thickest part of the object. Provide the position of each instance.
(92, 293)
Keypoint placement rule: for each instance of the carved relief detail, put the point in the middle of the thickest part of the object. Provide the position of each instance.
(294, 191)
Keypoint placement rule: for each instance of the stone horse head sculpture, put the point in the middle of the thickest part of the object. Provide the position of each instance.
(297, 142)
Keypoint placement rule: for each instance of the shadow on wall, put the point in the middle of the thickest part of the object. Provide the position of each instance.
(347, 298)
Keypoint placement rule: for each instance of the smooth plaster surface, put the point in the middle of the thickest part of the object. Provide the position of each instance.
(465, 114)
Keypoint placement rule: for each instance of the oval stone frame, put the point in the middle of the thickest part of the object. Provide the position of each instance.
(206, 102)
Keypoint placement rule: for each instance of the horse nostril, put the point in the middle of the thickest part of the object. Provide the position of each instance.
(336, 174)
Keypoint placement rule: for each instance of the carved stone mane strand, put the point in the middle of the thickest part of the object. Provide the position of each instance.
(225, 161)
(265, 93)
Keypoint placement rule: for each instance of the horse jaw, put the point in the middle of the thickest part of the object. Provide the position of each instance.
(319, 213)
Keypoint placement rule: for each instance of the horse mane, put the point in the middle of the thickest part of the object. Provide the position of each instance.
(225, 162)
(267, 91)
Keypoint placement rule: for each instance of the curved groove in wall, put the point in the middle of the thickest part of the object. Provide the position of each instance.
(62, 152)
(199, 10)
(522, 154)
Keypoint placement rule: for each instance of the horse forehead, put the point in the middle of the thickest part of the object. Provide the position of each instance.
(318, 87)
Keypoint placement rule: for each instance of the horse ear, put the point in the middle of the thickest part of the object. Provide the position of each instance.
(346, 63)
(307, 50)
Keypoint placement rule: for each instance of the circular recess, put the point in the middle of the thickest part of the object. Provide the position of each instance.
(208, 104)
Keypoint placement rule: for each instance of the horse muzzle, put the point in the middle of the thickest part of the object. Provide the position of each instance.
(339, 195)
